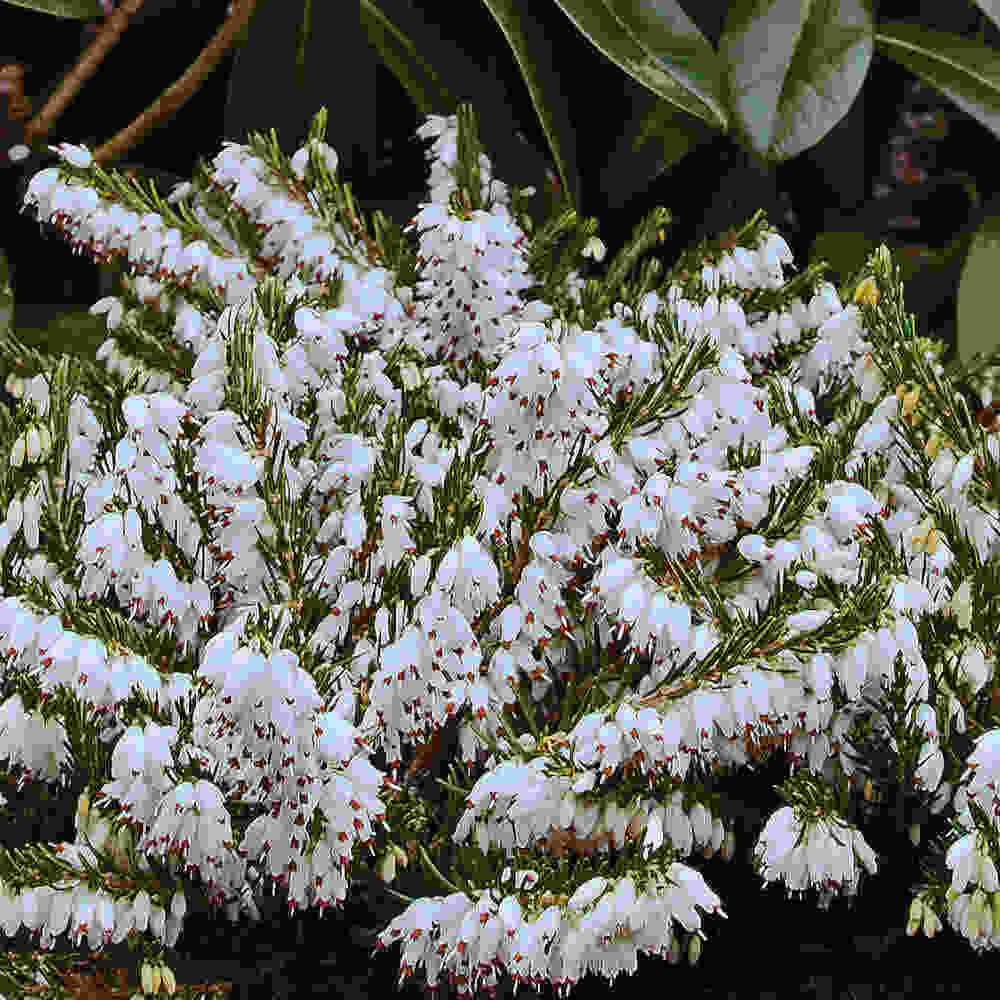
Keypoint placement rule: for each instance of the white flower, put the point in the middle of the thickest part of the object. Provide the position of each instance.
(973, 664)
(77, 156)
(301, 157)
(595, 249)
(960, 604)
(17, 452)
(673, 486)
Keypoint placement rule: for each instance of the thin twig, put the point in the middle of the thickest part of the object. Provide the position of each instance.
(182, 89)
(40, 126)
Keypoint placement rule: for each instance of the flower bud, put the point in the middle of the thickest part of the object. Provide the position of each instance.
(674, 954)
(32, 444)
(960, 604)
(82, 809)
(169, 980)
(387, 867)
(915, 834)
(595, 249)
(124, 844)
(142, 906)
(411, 377)
(15, 514)
(882, 260)
(974, 916)
(867, 292)
(931, 923)
(17, 453)
(869, 792)
(911, 400)
(729, 845)
(916, 916)
(718, 834)
(420, 573)
(693, 950)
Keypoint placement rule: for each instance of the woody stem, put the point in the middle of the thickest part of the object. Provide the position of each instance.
(40, 126)
(182, 89)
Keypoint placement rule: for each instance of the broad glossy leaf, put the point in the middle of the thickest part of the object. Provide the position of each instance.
(665, 31)
(977, 299)
(672, 82)
(991, 8)
(964, 70)
(657, 137)
(403, 59)
(536, 60)
(456, 77)
(281, 78)
(845, 251)
(794, 68)
(78, 10)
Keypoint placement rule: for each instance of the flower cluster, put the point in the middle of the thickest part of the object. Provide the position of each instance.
(382, 491)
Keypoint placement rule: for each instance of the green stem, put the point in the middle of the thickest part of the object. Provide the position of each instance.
(430, 864)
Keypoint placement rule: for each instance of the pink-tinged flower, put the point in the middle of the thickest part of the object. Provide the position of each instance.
(76, 156)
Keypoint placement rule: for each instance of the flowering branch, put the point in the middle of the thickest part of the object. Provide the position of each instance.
(689, 565)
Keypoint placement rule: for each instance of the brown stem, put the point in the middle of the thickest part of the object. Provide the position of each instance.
(18, 106)
(182, 89)
(40, 126)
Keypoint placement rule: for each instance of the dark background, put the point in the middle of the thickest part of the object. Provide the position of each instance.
(769, 946)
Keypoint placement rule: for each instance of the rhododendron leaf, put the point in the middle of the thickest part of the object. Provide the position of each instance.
(794, 69)
(536, 61)
(991, 9)
(658, 136)
(676, 62)
(965, 70)
(410, 43)
(976, 309)
(401, 56)
(80, 10)
(282, 73)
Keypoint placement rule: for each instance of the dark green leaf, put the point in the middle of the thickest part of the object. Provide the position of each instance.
(991, 9)
(537, 62)
(401, 57)
(666, 33)
(845, 252)
(79, 10)
(456, 77)
(656, 138)
(964, 70)
(977, 328)
(278, 83)
(794, 69)
(678, 84)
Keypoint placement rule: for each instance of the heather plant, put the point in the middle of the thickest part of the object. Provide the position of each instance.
(322, 496)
